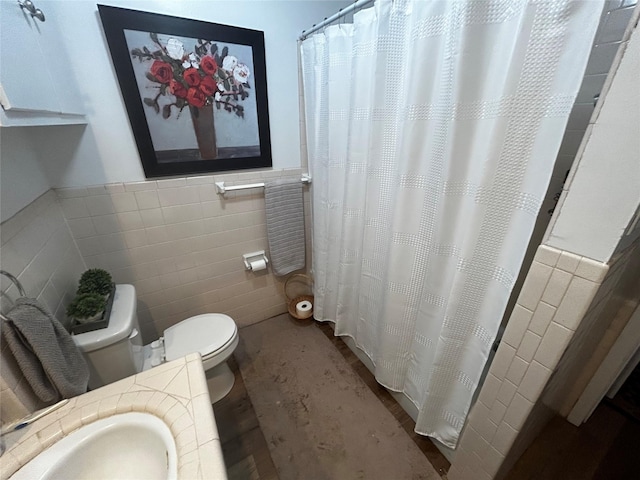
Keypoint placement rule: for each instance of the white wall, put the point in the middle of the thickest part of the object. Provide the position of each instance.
(603, 193)
(105, 150)
(22, 179)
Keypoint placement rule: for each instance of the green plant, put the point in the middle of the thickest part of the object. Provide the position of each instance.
(95, 280)
(86, 305)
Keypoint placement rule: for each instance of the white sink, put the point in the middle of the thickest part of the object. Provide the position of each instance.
(128, 445)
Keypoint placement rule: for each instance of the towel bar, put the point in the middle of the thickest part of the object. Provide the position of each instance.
(222, 189)
(17, 283)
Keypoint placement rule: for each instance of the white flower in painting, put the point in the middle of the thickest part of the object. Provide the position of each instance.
(218, 97)
(229, 63)
(192, 61)
(241, 73)
(221, 86)
(175, 49)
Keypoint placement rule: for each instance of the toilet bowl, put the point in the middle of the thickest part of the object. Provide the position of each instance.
(117, 351)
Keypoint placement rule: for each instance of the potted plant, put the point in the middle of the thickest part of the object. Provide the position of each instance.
(95, 280)
(87, 307)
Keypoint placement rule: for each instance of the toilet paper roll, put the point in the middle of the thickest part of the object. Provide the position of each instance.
(304, 309)
(258, 264)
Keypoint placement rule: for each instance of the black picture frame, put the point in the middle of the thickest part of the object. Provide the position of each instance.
(236, 103)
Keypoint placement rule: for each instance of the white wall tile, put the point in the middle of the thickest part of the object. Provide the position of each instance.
(82, 227)
(147, 199)
(502, 361)
(568, 262)
(139, 186)
(528, 346)
(575, 302)
(497, 412)
(504, 438)
(99, 204)
(130, 220)
(541, 318)
(506, 392)
(534, 285)
(517, 411)
(182, 213)
(553, 345)
(556, 287)
(534, 381)
(115, 188)
(152, 217)
(178, 196)
(489, 390)
(591, 270)
(517, 326)
(105, 224)
(71, 192)
(547, 255)
(492, 461)
(89, 246)
(124, 202)
(74, 208)
(171, 182)
(135, 238)
(516, 370)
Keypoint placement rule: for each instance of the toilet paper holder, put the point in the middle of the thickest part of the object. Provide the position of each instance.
(249, 258)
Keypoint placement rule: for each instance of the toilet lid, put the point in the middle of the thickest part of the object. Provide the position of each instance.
(202, 333)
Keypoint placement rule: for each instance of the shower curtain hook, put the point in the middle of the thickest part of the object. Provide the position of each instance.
(324, 28)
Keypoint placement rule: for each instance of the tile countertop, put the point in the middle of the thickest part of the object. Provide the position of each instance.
(176, 392)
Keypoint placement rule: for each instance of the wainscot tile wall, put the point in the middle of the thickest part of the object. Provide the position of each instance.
(557, 293)
(176, 240)
(615, 18)
(38, 248)
(181, 244)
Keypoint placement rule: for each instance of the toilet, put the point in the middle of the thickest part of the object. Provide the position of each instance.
(116, 352)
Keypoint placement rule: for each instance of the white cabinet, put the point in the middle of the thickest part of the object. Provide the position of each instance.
(36, 82)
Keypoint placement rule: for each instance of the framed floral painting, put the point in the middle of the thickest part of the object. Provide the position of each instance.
(195, 92)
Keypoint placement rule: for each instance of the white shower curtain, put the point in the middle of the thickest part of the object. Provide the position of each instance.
(432, 129)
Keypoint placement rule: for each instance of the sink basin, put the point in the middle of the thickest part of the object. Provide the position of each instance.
(127, 445)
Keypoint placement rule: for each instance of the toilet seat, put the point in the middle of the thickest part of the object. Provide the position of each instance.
(207, 334)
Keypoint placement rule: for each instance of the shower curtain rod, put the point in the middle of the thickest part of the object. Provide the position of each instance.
(328, 21)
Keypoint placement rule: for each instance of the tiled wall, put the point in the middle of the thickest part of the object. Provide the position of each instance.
(606, 317)
(176, 240)
(37, 247)
(614, 21)
(556, 295)
(181, 244)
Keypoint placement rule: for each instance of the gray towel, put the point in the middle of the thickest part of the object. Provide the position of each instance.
(285, 225)
(45, 352)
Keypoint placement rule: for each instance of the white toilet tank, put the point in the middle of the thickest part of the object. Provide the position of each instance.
(115, 352)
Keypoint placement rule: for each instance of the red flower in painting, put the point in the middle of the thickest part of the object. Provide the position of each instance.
(195, 97)
(162, 71)
(177, 89)
(192, 77)
(208, 85)
(208, 65)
